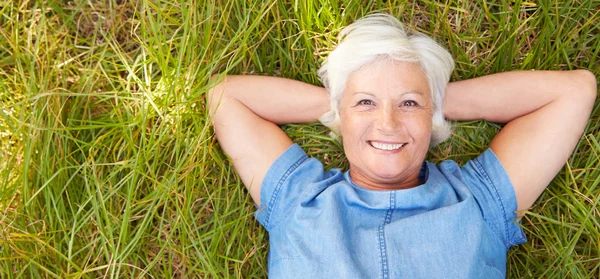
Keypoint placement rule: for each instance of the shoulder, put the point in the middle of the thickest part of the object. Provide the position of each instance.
(488, 182)
(290, 179)
(485, 167)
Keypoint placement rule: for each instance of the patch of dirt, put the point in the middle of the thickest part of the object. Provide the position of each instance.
(100, 20)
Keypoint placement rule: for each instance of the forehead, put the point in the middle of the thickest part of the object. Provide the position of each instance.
(388, 77)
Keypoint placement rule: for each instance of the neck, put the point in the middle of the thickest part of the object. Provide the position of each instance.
(411, 181)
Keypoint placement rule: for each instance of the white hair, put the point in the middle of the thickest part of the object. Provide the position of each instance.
(381, 36)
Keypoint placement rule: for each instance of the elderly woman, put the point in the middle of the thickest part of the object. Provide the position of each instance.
(394, 215)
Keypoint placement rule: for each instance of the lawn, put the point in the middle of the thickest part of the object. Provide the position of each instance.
(109, 166)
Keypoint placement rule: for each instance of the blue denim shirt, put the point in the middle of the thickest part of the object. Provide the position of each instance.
(458, 224)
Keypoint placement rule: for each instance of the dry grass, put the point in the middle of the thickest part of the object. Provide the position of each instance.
(108, 167)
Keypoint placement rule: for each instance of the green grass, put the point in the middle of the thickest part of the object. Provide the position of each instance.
(109, 168)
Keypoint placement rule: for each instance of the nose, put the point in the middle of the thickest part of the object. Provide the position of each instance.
(388, 120)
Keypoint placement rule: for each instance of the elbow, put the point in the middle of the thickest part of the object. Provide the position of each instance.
(588, 84)
(583, 93)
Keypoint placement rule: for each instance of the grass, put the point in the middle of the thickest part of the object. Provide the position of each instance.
(109, 168)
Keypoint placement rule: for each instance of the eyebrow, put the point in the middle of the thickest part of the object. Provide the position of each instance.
(371, 94)
(362, 92)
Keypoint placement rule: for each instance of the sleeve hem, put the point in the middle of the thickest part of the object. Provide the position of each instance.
(506, 196)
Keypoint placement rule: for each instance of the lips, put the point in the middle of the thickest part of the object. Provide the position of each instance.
(386, 146)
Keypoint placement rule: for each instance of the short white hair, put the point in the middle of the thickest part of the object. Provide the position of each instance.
(382, 36)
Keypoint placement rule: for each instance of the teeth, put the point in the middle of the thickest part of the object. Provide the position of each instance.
(384, 146)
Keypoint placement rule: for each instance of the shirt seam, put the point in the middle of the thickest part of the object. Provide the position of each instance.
(479, 166)
(381, 231)
(276, 191)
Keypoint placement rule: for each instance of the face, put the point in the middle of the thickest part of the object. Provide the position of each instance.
(386, 114)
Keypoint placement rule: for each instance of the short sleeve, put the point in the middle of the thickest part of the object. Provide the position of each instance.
(285, 184)
(495, 194)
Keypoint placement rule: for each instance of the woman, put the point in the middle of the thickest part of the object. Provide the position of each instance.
(393, 215)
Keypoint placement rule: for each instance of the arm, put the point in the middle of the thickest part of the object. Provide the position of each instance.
(545, 111)
(245, 111)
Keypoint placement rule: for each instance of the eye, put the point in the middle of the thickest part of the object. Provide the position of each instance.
(409, 103)
(365, 102)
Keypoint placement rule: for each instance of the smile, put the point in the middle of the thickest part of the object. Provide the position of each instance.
(386, 146)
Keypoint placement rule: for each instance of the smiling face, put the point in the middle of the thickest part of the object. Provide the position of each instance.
(385, 118)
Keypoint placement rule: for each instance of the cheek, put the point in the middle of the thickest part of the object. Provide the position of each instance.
(426, 125)
(345, 123)
(426, 133)
(353, 127)
(421, 126)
